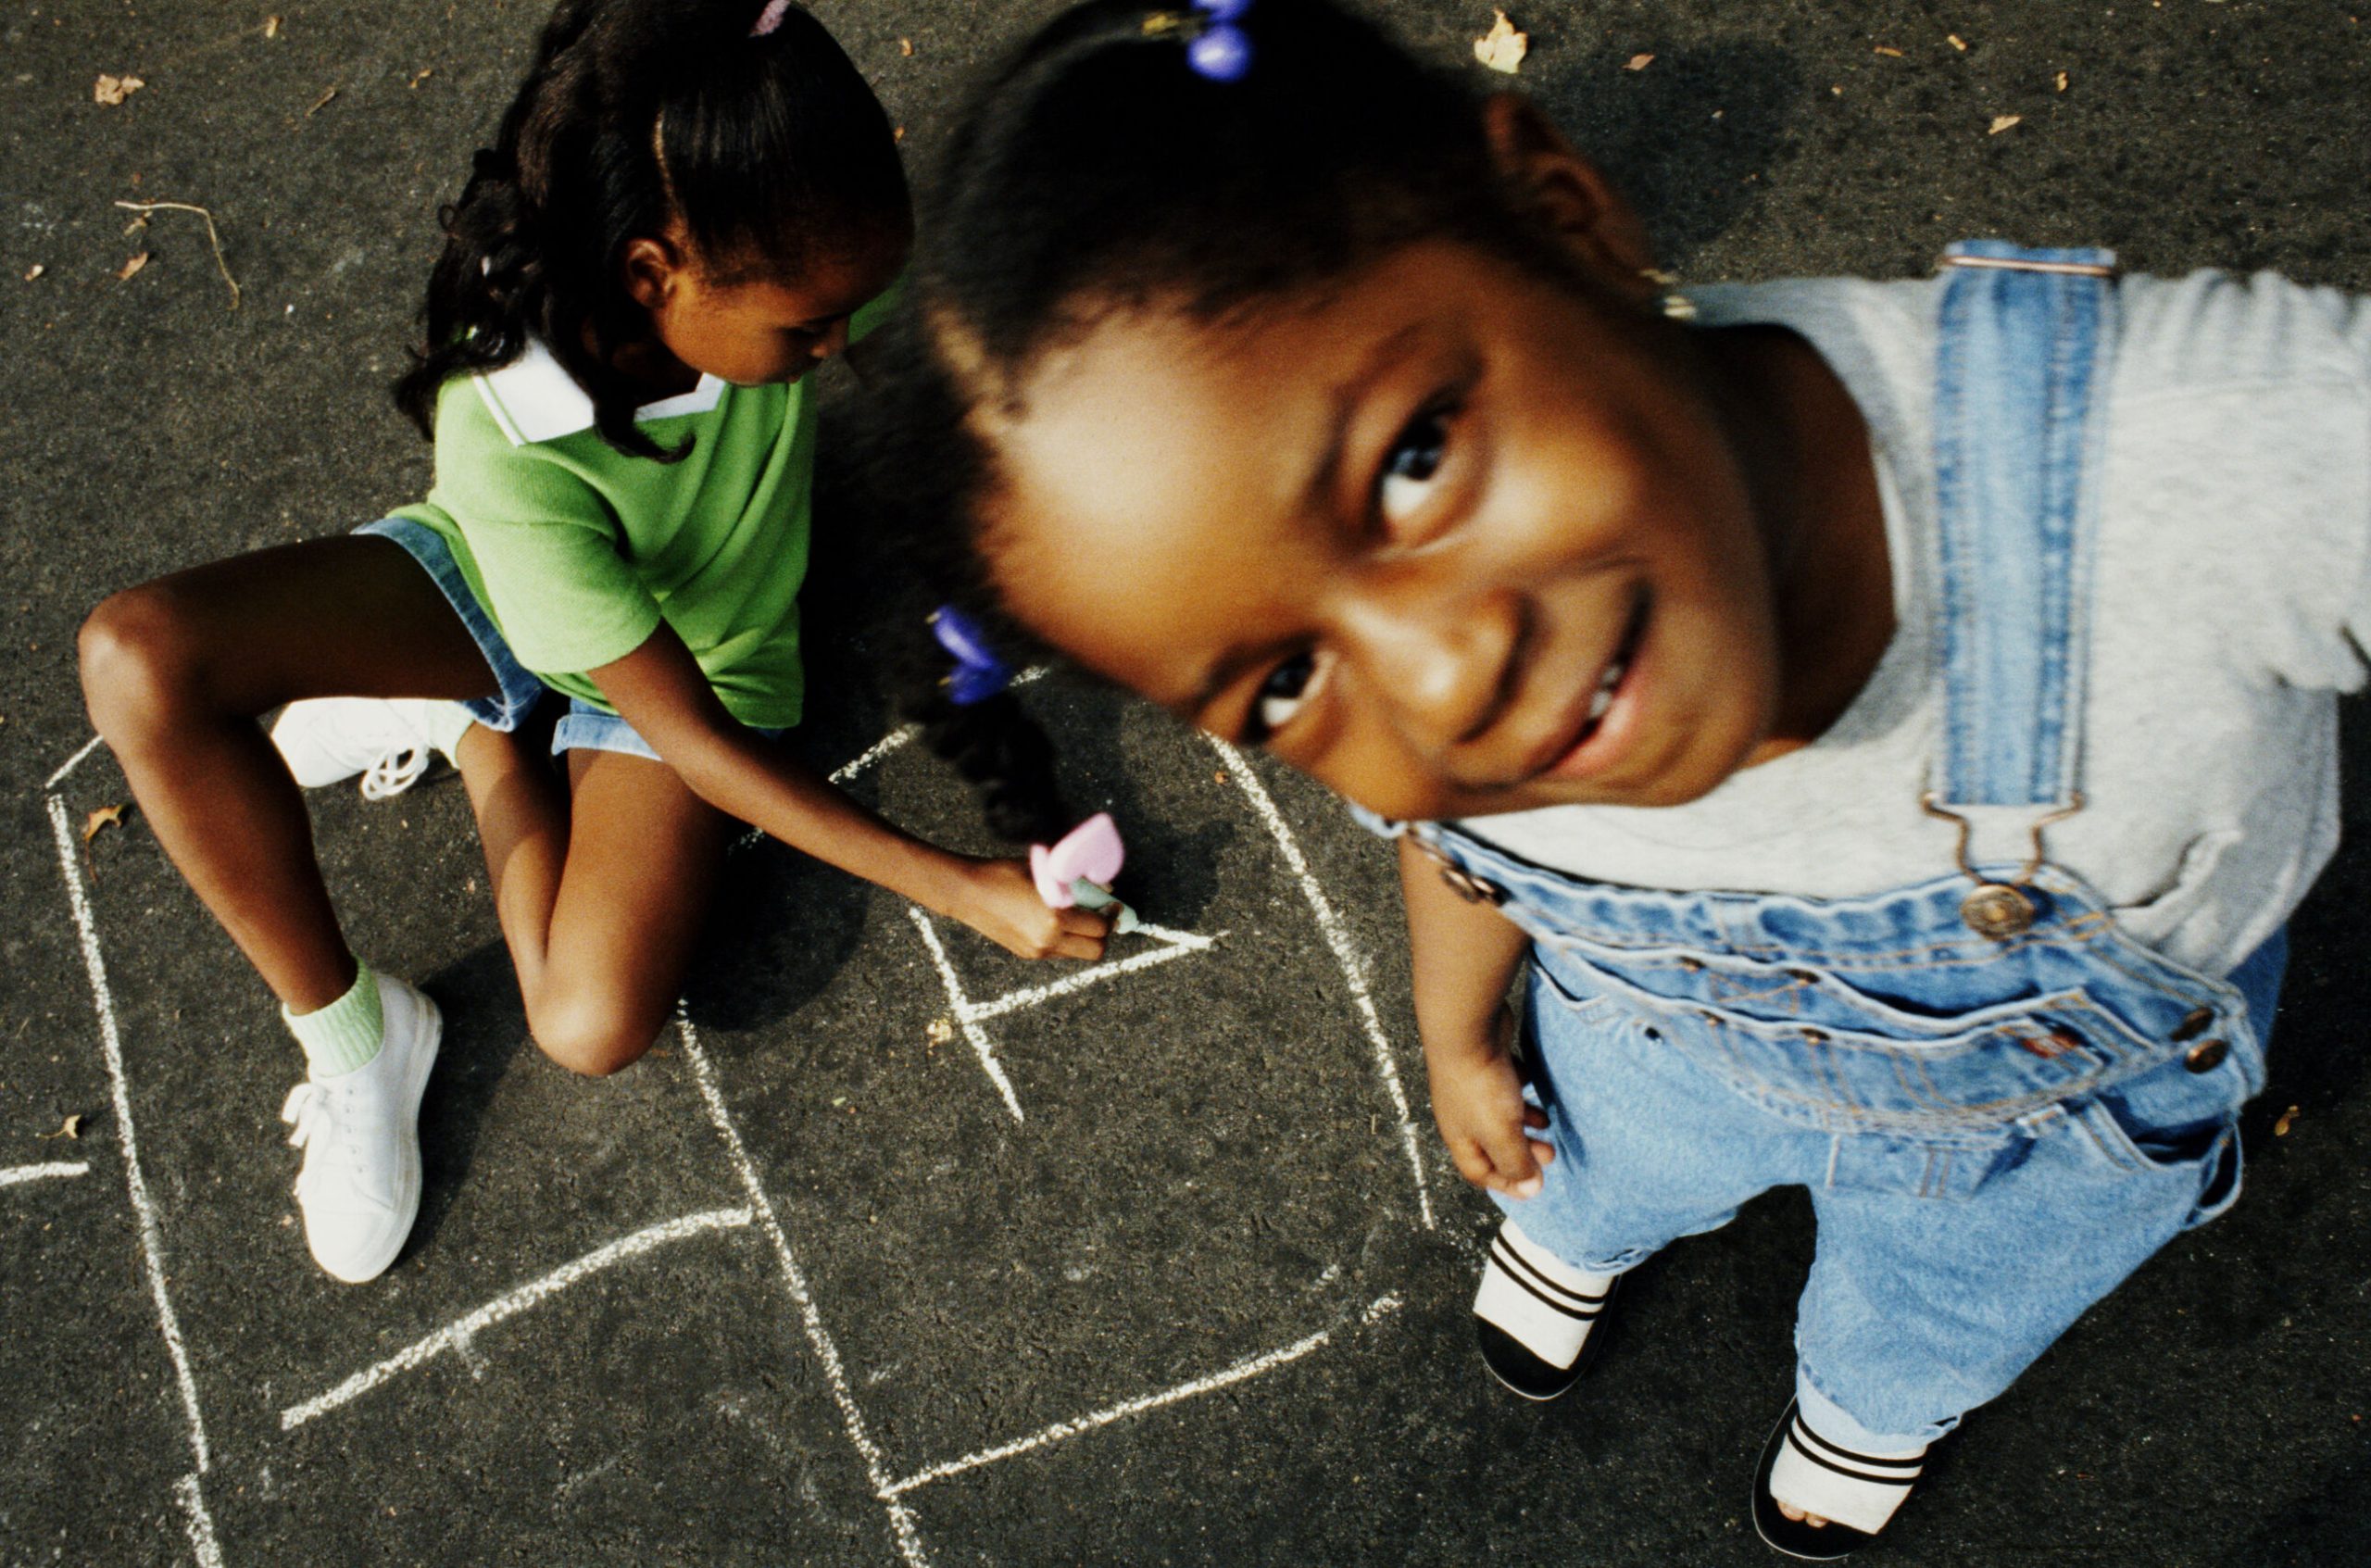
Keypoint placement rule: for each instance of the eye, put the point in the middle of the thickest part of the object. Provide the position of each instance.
(1281, 694)
(1409, 466)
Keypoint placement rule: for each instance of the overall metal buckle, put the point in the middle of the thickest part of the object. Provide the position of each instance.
(1998, 910)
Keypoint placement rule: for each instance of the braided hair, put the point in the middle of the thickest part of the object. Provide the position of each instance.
(768, 148)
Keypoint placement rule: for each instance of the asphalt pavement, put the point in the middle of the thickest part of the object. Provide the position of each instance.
(896, 1250)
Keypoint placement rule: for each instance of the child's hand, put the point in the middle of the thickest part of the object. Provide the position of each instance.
(1477, 1100)
(1000, 901)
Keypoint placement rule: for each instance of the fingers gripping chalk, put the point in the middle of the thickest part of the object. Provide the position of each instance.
(1086, 895)
(1079, 871)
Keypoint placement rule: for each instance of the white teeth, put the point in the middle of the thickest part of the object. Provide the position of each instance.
(1605, 685)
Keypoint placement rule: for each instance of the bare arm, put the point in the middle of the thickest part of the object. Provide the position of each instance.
(1464, 957)
(661, 690)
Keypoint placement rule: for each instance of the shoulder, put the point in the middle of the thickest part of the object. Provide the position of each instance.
(2213, 331)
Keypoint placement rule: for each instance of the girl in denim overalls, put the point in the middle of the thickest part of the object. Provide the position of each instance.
(1895, 721)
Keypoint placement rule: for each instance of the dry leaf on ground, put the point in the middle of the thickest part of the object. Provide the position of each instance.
(2062, 82)
(116, 89)
(271, 27)
(422, 74)
(906, 47)
(1639, 62)
(1502, 48)
(1957, 42)
(104, 818)
(2280, 1128)
(940, 1031)
(35, 270)
(71, 1129)
(2003, 121)
(1889, 51)
(124, 272)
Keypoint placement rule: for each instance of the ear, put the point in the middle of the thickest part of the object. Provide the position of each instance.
(650, 267)
(1568, 194)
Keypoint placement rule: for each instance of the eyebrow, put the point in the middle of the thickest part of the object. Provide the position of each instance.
(1325, 479)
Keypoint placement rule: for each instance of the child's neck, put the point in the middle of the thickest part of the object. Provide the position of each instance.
(1814, 487)
(652, 371)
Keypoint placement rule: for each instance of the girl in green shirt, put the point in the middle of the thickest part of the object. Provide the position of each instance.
(690, 204)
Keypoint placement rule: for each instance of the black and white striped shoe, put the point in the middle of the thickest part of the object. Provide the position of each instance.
(1856, 1493)
(1534, 1314)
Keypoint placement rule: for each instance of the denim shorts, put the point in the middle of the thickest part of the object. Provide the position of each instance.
(517, 690)
(586, 728)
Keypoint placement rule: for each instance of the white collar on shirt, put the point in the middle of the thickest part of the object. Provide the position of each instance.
(533, 398)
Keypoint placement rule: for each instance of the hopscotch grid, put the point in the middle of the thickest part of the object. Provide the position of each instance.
(1337, 940)
(15, 1174)
(457, 1335)
(1060, 1431)
(761, 1213)
(973, 1034)
(1031, 996)
(152, 1245)
(902, 1526)
(199, 1522)
(71, 763)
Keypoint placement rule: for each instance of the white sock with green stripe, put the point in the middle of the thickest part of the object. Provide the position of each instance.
(344, 1035)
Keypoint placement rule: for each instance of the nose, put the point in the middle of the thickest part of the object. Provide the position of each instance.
(1443, 657)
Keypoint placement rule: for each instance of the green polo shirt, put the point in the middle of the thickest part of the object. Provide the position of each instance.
(578, 551)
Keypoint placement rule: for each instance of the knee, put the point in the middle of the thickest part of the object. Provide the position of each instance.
(139, 663)
(592, 1035)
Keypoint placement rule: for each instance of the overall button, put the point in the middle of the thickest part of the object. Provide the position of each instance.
(2206, 1056)
(1997, 911)
(1472, 888)
(2193, 1023)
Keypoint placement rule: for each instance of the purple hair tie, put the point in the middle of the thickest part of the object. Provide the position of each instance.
(770, 18)
(979, 674)
(1222, 50)
(1215, 48)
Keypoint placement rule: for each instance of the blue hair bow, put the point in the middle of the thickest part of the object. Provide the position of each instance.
(1221, 51)
(979, 674)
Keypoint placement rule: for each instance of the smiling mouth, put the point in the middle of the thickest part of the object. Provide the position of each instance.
(1609, 681)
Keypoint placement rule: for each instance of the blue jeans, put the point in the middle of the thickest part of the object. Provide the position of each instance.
(2000, 1104)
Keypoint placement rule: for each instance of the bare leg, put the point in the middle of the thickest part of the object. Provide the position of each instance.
(175, 673)
(603, 916)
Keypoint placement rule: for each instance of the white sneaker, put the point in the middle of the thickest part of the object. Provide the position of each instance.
(387, 740)
(360, 1189)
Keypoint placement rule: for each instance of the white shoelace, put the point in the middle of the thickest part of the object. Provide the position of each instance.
(311, 1112)
(395, 773)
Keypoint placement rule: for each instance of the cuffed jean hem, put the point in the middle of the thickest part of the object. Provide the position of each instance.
(1828, 1418)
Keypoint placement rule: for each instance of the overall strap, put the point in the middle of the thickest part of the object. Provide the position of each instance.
(2022, 354)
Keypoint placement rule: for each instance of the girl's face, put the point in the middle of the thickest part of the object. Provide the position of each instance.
(763, 328)
(1453, 538)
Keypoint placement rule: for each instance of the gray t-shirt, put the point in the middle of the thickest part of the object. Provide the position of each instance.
(2230, 603)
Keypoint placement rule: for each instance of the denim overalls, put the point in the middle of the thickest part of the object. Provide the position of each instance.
(2002, 1105)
